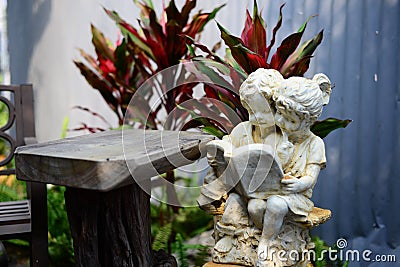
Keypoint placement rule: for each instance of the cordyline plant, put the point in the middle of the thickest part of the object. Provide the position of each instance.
(158, 43)
(250, 52)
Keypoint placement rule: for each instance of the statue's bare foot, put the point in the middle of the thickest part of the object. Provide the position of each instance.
(225, 229)
(224, 244)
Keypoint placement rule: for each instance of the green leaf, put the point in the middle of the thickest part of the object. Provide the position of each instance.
(181, 250)
(101, 44)
(213, 131)
(287, 47)
(274, 31)
(64, 128)
(214, 77)
(323, 128)
(129, 31)
(303, 52)
(190, 48)
(161, 238)
(304, 25)
(232, 62)
(199, 21)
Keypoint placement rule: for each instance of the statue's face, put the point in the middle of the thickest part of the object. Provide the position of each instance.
(260, 113)
(287, 120)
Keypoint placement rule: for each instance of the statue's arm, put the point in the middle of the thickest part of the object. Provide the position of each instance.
(218, 151)
(315, 162)
(298, 185)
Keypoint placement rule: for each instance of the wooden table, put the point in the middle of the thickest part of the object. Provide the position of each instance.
(108, 212)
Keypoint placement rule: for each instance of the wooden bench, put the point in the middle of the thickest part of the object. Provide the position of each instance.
(26, 219)
(108, 210)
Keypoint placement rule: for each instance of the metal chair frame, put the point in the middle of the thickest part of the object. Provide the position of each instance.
(24, 219)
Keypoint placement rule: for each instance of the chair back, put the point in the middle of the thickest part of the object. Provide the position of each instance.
(20, 125)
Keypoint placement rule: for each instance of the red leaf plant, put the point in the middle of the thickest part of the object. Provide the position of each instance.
(249, 52)
(119, 70)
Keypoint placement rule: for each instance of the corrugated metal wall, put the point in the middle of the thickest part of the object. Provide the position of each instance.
(360, 53)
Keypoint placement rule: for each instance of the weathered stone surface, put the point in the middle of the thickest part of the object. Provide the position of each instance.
(317, 216)
(212, 264)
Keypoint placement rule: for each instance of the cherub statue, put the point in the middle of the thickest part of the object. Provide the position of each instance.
(281, 112)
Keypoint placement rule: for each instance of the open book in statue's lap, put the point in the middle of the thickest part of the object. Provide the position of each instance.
(251, 170)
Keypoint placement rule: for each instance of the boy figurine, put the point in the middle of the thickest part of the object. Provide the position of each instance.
(255, 94)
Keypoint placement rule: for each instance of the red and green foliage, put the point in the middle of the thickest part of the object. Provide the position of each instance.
(119, 70)
(250, 52)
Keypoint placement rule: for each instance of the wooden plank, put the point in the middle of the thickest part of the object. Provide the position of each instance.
(24, 203)
(15, 219)
(8, 231)
(15, 212)
(100, 161)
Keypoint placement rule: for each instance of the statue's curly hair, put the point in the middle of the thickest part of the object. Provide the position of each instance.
(264, 81)
(304, 96)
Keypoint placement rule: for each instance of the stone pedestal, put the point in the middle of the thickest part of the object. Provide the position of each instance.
(241, 247)
(212, 264)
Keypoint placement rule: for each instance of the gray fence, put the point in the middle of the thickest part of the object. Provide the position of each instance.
(360, 53)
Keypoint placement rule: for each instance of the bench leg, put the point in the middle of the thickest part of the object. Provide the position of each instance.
(110, 228)
(39, 237)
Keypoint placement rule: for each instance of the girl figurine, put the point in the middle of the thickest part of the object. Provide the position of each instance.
(298, 103)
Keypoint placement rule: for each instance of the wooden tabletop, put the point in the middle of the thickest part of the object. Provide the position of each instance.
(107, 160)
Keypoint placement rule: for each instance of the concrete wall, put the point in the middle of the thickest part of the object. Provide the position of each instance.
(43, 39)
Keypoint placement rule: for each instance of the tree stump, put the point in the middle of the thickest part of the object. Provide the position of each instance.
(112, 228)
